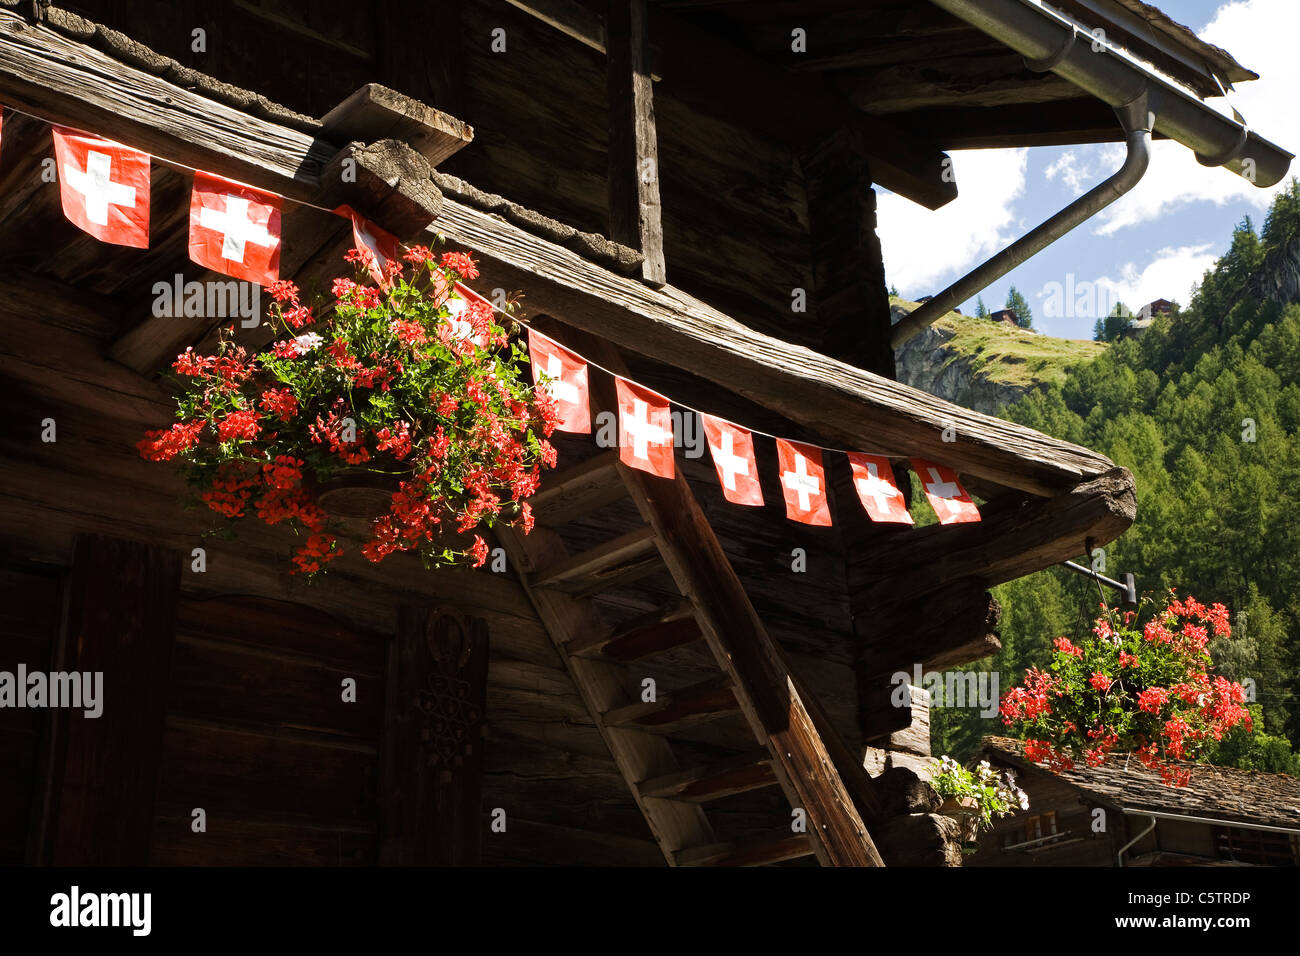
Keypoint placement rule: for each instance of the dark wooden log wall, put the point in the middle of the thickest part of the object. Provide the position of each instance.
(29, 618)
(547, 766)
(735, 205)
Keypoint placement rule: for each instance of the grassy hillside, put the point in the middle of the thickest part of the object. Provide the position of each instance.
(999, 353)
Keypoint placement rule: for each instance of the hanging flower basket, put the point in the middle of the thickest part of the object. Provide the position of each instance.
(1149, 692)
(398, 407)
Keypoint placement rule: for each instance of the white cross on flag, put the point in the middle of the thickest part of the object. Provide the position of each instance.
(458, 304)
(946, 495)
(568, 381)
(235, 229)
(378, 246)
(873, 478)
(803, 482)
(645, 429)
(732, 448)
(104, 187)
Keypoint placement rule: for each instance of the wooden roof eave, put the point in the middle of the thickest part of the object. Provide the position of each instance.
(843, 404)
(47, 73)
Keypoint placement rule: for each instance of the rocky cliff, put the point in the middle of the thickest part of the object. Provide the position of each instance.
(983, 365)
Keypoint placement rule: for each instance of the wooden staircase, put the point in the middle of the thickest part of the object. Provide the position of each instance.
(792, 746)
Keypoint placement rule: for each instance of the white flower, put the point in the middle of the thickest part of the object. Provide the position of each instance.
(308, 341)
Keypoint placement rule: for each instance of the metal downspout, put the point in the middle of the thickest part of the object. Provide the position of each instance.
(1119, 857)
(1138, 121)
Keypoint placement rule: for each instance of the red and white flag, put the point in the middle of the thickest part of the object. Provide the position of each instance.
(104, 187)
(732, 448)
(378, 246)
(235, 229)
(803, 482)
(946, 495)
(568, 381)
(873, 479)
(459, 303)
(645, 429)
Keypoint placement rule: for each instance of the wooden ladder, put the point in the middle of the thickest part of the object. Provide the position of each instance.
(794, 747)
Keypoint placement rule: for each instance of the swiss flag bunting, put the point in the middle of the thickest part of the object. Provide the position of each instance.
(235, 229)
(873, 479)
(803, 482)
(645, 429)
(947, 497)
(458, 304)
(732, 448)
(378, 246)
(104, 187)
(568, 381)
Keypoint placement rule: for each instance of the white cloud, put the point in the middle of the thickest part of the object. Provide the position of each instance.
(1170, 275)
(922, 248)
(1074, 170)
(1261, 35)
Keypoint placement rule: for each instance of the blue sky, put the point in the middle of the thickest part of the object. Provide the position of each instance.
(1155, 242)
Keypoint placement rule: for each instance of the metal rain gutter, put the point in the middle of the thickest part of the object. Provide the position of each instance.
(1119, 857)
(1146, 101)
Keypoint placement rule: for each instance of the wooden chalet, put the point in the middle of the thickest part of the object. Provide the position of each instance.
(1122, 814)
(498, 716)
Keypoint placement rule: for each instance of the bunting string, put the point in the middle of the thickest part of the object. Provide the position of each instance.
(235, 229)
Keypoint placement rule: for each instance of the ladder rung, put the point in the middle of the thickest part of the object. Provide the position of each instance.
(641, 637)
(734, 775)
(579, 490)
(701, 702)
(623, 559)
(759, 853)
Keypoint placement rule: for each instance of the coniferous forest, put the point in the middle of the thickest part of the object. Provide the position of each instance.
(1204, 409)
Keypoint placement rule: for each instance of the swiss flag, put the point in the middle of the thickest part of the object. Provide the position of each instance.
(803, 481)
(104, 187)
(378, 246)
(568, 381)
(732, 449)
(873, 479)
(645, 429)
(235, 229)
(458, 304)
(946, 495)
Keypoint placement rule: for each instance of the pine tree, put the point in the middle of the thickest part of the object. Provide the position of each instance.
(981, 310)
(1017, 304)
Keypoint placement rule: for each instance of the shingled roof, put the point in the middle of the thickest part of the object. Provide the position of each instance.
(1220, 793)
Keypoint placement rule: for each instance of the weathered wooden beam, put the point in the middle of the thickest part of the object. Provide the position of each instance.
(54, 77)
(613, 562)
(953, 627)
(849, 407)
(671, 711)
(1007, 544)
(655, 633)
(375, 112)
(635, 217)
(602, 685)
(959, 79)
(714, 781)
(778, 710)
(1059, 123)
(569, 17)
(579, 490)
(103, 771)
(776, 849)
(431, 770)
